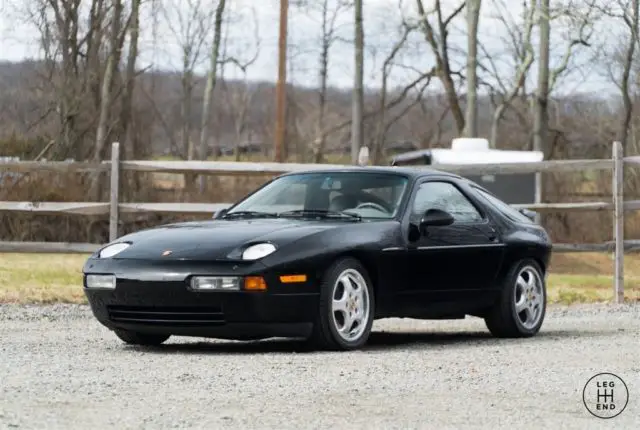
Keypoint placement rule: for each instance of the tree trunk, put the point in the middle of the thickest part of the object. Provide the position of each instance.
(210, 86)
(541, 115)
(322, 95)
(211, 80)
(357, 138)
(378, 140)
(452, 96)
(471, 119)
(187, 97)
(495, 124)
(127, 102)
(187, 143)
(105, 97)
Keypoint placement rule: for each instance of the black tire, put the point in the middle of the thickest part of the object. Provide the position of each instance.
(325, 333)
(502, 319)
(145, 339)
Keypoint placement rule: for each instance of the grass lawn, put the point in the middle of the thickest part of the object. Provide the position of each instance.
(56, 278)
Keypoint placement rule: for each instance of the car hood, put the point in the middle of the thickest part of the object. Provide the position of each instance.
(216, 239)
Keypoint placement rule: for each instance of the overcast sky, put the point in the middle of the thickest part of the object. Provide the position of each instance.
(18, 40)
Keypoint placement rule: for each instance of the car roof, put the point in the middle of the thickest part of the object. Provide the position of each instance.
(413, 172)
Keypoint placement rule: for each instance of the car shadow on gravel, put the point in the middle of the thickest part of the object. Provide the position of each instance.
(378, 341)
(425, 339)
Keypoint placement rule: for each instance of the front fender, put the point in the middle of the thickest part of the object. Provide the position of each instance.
(314, 253)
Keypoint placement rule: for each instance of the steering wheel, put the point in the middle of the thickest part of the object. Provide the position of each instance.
(372, 205)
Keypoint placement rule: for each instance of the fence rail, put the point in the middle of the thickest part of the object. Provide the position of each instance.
(242, 168)
(114, 208)
(50, 208)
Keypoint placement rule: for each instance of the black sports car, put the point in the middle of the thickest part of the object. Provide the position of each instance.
(321, 255)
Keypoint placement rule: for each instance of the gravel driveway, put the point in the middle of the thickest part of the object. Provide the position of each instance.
(60, 369)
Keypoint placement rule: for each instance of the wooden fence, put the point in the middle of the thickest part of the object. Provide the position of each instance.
(114, 208)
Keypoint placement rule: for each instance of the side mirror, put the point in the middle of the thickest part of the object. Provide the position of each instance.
(435, 217)
(528, 213)
(220, 213)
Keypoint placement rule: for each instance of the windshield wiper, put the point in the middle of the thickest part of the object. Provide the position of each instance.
(250, 214)
(320, 213)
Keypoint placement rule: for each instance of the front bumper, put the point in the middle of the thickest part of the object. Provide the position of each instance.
(153, 299)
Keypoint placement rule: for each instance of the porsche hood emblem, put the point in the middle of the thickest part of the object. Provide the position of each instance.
(167, 252)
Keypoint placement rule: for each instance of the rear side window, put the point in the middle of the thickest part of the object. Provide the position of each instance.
(509, 211)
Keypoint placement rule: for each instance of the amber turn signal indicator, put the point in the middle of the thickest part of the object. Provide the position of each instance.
(291, 279)
(255, 283)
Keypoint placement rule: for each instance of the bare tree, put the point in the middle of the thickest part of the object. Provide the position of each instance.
(631, 20)
(439, 43)
(330, 13)
(387, 65)
(621, 61)
(579, 20)
(518, 40)
(473, 16)
(115, 49)
(72, 50)
(190, 23)
(65, 26)
(126, 111)
(238, 99)
(211, 79)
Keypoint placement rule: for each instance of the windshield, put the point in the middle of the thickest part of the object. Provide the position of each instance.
(363, 194)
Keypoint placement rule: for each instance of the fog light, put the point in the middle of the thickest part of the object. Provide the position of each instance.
(215, 283)
(100, 282)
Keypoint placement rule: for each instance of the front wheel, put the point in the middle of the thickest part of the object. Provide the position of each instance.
(521, 308)
(136, 338)
(346, 309)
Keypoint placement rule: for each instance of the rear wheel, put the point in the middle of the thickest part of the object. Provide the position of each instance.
(521, 309)
(136, 338)
(347, 305)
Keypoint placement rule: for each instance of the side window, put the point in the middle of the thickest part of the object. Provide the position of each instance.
(445, 196)
(505, 208)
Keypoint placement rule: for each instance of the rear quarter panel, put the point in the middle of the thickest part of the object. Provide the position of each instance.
(522, 240)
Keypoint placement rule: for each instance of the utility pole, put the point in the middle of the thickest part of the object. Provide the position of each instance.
(281, 86)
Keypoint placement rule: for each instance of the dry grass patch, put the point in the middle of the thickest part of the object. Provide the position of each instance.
(588, 278)
(57, 278)
(41, 278)
(570, 288)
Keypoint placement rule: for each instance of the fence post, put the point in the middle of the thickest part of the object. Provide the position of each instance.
(114, 198)
(618, 222)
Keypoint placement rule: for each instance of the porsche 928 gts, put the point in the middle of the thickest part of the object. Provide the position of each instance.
(322, 254)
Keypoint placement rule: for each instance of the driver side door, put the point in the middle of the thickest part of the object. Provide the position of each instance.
(456, 262)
